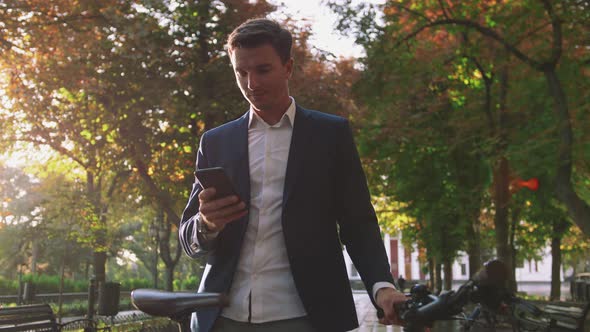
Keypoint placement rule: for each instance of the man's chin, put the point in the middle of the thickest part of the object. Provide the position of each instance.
(260, 107)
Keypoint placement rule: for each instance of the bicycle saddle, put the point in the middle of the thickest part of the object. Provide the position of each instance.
(174, 304)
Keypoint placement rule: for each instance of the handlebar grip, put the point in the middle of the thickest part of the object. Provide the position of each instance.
(380, 313)
(399, 308)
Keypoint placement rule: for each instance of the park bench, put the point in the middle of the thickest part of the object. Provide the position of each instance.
(567, 316)
(37, 317)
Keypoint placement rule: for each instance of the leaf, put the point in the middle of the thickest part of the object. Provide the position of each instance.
(86, 134)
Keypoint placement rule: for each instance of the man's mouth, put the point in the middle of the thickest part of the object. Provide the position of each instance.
(257, 94)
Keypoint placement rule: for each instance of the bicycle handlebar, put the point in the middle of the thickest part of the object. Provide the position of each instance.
(486, 288)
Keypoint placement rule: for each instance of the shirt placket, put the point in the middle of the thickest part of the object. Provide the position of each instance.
(257, 304)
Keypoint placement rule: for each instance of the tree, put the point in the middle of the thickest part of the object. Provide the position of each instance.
(425, 48)
(122, 88)
(529, 43)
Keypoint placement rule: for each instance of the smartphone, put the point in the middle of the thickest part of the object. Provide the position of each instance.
(217, 178)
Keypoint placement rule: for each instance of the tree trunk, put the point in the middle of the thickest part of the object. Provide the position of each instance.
(473, 246)
(448, 270)
(438, 280)
(432, 271)
(501, 195)
(559, 227)
(169, 282)
(578, 209)
(93, 189)
(155, 270)
(512, 273)
(100, 260)
(34, 255)
(165, 250)
(62, 271)
(555, 268)
(501, 198)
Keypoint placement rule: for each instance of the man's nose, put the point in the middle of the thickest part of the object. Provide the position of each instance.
(253, 82)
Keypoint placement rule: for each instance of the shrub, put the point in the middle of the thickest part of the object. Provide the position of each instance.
(190, 283)
(74, 308)
(50, 284)
(8, 287)
(133, 283)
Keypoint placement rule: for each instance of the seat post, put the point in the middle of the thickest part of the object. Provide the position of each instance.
(184, 323)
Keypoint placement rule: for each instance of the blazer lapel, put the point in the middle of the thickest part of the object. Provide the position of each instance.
(243, 167)
(299, 140)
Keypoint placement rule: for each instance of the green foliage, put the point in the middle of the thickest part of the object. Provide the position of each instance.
(50, 284)
(74, 308)
(190, 283)
(8, 286)
(133, 283)
(444, 102)
(123, 90)
(153, 324)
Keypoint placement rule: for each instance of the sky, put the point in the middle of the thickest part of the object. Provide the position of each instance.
(323, 25)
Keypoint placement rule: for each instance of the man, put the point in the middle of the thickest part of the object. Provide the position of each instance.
(401, 282)
(276, 249)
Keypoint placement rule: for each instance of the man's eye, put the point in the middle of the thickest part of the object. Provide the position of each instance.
(241, 72)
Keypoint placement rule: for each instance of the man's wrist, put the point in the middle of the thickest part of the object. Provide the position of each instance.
(380, 286)
(204, 230)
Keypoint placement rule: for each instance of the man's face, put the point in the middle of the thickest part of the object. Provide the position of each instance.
(262, 77)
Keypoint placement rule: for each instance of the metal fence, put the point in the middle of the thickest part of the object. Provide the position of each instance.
(54, 297)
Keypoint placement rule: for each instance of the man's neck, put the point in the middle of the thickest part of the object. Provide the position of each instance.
(273, 116)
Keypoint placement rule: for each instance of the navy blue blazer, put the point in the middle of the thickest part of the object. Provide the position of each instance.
(326, 203)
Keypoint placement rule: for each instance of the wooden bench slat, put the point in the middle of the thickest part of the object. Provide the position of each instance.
(570, 316)
(25, 320)
(26, 309)
(567, 311)
(15, 319)
(34, 327)
(38, 318)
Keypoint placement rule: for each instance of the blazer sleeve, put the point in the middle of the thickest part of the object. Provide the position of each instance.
(192, 244)
(359, 229)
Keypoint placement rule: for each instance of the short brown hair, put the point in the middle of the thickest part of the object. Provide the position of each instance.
(260, 31)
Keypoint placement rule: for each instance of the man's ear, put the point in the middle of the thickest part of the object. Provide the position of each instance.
(289, 65)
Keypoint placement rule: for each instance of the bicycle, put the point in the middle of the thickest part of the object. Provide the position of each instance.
(420, 312)
(486, 290)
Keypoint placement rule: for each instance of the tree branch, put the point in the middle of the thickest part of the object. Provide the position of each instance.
(57, 148)
(557, 39)
(481, 29)
(162, 198)
(488, 84)
(411, 11)
(8, 45)
(442, 7)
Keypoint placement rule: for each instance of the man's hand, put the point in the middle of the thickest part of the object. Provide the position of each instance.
(216, 213)
(387, 298)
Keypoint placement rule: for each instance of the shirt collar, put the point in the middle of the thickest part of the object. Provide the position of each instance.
(289, 116)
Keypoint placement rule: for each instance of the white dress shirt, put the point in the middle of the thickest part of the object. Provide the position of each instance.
(263, 289)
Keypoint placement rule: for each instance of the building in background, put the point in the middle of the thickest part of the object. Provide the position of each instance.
(533, 277)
